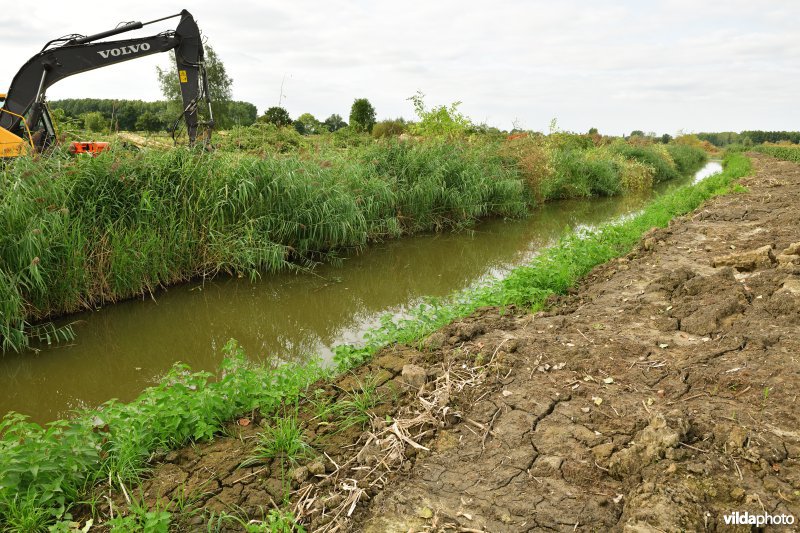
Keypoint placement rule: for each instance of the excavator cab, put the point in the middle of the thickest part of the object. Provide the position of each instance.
(30, 137)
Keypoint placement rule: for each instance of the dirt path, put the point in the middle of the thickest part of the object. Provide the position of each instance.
(660, 396)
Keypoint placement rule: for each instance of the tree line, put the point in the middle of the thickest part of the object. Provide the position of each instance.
(362, 119)
(99, 114)
(749, 137)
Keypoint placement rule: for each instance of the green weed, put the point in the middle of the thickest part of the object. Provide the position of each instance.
(283, 439)
(352, 408)
(140, 518)
(276, 521)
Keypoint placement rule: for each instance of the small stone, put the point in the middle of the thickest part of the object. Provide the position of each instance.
(316, 468)
(435, 341)
(747, 261)
(414, 376)
(792, 249)
(737, 437)
(784, 259)
(300, 474)
(696, 468)
(425, 512)
(602, 452)
(792, 286)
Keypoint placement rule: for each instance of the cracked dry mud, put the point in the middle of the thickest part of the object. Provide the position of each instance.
(658, 396)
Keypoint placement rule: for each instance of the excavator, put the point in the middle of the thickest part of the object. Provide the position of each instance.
(25, 122)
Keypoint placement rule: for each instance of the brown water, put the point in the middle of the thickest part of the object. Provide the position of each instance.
(123, 348)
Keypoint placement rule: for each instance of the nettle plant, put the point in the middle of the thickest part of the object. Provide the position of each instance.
(439, 121)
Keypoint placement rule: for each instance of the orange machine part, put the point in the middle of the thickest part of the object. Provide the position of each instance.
(93, 148)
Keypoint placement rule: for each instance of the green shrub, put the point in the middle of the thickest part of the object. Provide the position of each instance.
(663, 168)
(348, 137)
(687, 158)
(439, 121)
(389, 128)
(261, 138)
(576, 175)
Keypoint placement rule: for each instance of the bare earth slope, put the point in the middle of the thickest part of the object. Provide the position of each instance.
(659, 396)
(676, 403)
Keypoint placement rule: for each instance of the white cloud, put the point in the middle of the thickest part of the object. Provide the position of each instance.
(618, 66)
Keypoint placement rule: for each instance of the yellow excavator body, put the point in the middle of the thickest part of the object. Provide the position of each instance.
(10, 144)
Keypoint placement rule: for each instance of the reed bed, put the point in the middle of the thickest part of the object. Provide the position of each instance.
(83, 232)
(77, 233)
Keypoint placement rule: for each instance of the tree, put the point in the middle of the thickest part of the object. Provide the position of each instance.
(242, 113)
(334, 123)
(219, 88)
(362, 115)
(389, 128)
(148, 121)
(666, 138)
(94, 121)
(637, 133)
(439, 120)
(310, 124)
(592, 131)
(276, 115)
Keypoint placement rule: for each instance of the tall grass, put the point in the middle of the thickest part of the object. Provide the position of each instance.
(570, 166)
(81, 232)
(658, 157)
(45, 470)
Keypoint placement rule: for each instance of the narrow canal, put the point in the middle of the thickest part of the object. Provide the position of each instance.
(123, 348)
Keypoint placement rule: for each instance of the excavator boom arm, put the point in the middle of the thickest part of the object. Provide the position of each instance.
(27, 92)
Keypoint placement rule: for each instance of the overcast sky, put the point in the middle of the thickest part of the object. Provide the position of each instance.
(618, 66)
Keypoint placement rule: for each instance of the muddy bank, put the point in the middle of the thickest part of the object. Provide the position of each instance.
(660, 396)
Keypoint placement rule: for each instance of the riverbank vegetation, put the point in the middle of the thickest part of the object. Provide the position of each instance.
(79, 233)
(46, 472)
